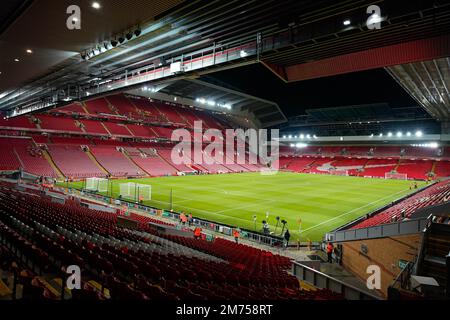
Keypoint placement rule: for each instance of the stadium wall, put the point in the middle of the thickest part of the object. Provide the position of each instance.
(385, 253)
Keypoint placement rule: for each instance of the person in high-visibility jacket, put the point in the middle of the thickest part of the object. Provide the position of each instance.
(183, 218)
(197, 233)
(236, 235)
(329, 252)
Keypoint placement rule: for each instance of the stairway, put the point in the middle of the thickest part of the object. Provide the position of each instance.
(125, 154)
(94, 160)
(49, 159)
(433, 167)
(436, 247)
(103, 125)
(397, 165)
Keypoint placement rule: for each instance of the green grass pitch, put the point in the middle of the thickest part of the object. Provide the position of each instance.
(323, 202)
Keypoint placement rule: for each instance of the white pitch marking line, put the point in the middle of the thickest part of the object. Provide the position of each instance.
(351, 211)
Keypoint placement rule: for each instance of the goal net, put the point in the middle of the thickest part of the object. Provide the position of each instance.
(339, 172)
(398, 176)
(136, 191)
(97, 184)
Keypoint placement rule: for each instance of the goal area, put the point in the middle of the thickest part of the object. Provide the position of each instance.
(396, 176)
(135, 191)
(97, 184)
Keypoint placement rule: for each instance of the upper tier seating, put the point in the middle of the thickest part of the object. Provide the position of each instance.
(77, 141)
(170, 112)
(141, 131)
(74, 162)
(57, 123)
(117, 129)
(438, 193)
(97, 106)
(92, 126)
(123, 106)
(163, 132)
(115, 162)
(17, 122)
(74, 107)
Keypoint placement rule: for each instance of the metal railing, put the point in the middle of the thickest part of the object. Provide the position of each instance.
(324, 281)
(175, 216)
(379, 231)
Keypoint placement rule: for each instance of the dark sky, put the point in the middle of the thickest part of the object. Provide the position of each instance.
(355, 88)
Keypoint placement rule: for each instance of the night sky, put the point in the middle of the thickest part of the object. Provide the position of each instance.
(355, 88)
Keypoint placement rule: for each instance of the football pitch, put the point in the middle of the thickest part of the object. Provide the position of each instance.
(321, 202)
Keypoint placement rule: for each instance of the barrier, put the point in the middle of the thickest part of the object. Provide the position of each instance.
(204, 224)
(380, 231)
(323, 281)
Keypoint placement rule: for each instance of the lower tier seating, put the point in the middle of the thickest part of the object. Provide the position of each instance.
(74, 162)
(115, 162)
(140, 265)
(435, 194)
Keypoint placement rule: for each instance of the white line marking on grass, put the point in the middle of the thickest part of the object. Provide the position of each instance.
(351, 211)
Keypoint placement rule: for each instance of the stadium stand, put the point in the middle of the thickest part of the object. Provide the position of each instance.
(58, 124)
(91, 126)
(73, 161)
(115, 162)
(149, 160)
(435, 194)
(33, 160)
(98, 106)
(142, 265)
(8, 157)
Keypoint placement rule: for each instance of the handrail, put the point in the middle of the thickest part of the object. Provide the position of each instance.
(324, 281)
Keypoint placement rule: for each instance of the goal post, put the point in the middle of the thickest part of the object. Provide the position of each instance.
(339, 172)
(135, 191)
(396, 176)
(97, 184)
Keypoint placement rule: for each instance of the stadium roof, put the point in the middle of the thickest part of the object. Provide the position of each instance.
(429, 83)
(296, 40)
(199, 93)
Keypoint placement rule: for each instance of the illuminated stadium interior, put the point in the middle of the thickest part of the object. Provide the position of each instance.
(218, 151)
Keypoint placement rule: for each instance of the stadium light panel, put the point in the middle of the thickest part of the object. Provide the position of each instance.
(408, 134)
(96, 5)
(389, 134)
(243, 53)
(301, 145)
(315, 137)
(380, 135)
(347, 22)
(290, 136)
(419, 133)
(284, 137)
(308, 136)
(399, 134)
(302, 136)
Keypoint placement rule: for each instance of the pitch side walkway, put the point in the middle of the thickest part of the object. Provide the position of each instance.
(292, 253)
